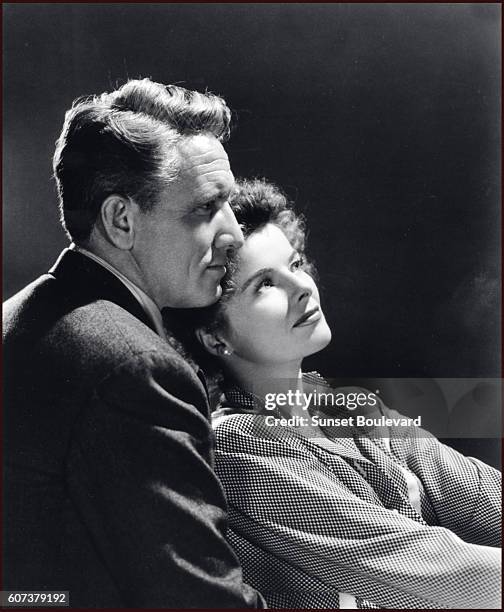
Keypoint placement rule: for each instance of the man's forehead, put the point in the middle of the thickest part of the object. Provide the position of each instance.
(204, 170)
(202, 154)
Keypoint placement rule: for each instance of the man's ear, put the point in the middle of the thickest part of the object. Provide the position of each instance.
(214, 343)
(117, 215)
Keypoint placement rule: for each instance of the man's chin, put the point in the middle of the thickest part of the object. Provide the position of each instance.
(200, 297)
(215, 297)
(202, 301)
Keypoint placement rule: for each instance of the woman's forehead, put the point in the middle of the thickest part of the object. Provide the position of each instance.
(263, 249)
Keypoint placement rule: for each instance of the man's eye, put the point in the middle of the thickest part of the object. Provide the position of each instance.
(204, 209)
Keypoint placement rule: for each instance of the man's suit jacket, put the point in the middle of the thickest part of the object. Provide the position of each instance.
(109, 491)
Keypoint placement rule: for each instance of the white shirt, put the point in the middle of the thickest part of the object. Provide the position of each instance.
(146, 302)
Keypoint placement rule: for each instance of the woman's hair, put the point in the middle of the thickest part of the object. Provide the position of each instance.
(255, 203)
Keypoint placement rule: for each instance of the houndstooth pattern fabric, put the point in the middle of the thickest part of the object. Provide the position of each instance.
(313, 520)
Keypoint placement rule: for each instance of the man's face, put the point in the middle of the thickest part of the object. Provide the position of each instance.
(182, 244)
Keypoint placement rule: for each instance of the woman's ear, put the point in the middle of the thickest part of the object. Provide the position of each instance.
(117, 215)
(214, 343)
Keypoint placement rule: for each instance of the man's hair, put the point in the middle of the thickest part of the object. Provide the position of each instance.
(124, 142)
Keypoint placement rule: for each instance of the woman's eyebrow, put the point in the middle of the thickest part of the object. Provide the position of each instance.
(252, 278)
(262, 271)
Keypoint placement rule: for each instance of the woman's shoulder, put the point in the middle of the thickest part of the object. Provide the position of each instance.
(226, 420)
(229, 416)
(252, 434)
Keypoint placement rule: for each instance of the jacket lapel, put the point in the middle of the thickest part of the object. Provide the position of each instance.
(84, 281)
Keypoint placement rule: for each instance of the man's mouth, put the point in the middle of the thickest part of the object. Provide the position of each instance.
(220, 268)
(308, 318)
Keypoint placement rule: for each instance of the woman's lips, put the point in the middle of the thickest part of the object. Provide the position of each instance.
(308, 318)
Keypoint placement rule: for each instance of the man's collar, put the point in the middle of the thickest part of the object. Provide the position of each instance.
(84, 280)
(145, 301)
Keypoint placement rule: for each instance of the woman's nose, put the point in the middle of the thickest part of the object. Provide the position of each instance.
(303, 287)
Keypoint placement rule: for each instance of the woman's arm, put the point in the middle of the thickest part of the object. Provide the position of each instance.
(290, 503)
(464, 492)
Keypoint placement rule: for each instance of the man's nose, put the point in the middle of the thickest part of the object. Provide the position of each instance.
(229, 234)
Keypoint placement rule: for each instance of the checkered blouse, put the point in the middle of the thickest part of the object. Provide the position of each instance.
(355, 522)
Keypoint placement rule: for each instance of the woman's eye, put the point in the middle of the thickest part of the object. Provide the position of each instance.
(265, 282)
(298, 263)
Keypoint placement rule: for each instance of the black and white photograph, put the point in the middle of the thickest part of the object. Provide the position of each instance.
(252, 305)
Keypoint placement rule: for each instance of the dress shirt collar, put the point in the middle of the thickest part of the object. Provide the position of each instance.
(337, 440)
(147, 303)
(248, 403)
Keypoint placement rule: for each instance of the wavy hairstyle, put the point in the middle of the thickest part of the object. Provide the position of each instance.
(124, 142)
(255, 203)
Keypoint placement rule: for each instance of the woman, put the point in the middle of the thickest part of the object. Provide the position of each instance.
(323, 515)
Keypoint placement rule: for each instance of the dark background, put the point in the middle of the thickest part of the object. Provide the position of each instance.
(382, 121)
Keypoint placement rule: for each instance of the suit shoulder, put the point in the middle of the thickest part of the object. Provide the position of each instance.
(105, 331)
(16, 307)
(45, 323)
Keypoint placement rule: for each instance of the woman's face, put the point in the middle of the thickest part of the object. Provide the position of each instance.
(275, 315)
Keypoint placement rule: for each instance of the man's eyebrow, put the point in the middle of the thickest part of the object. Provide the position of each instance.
(254, 276)
(220, 192)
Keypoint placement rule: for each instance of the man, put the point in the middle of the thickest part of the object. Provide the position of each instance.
(109, 488)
